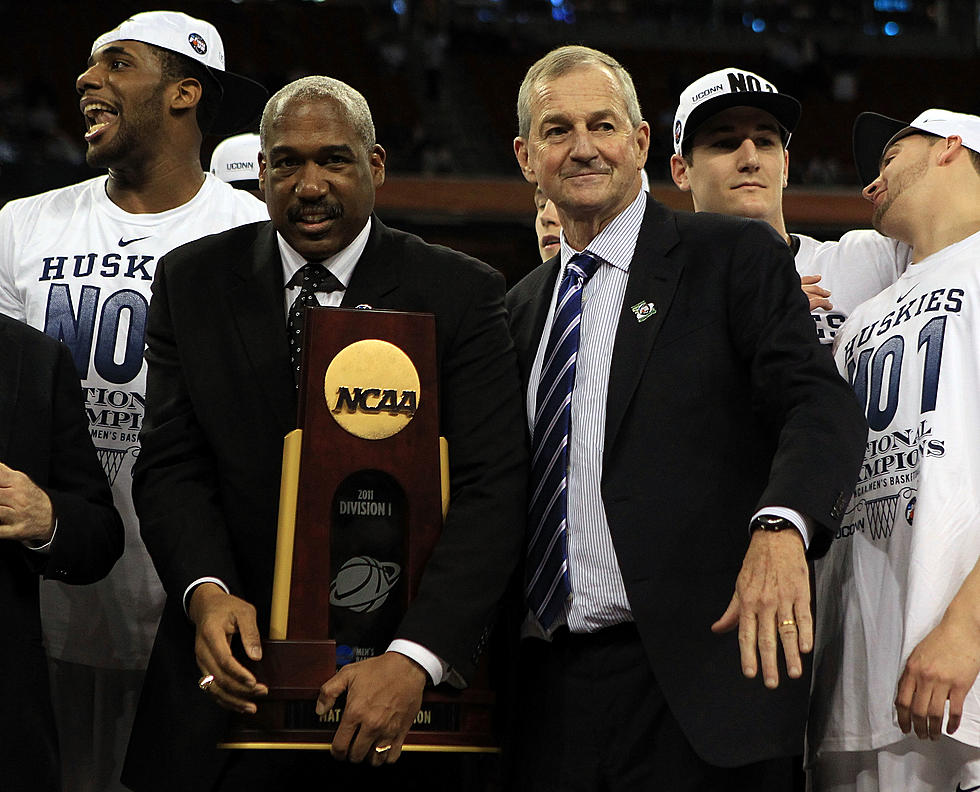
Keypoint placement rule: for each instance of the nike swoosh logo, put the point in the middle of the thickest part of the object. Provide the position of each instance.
(967, 789)
(124, 242)
(898, 301)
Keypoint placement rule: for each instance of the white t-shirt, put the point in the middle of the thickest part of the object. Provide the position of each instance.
(75, 265)
(911, 533)
(854, 269)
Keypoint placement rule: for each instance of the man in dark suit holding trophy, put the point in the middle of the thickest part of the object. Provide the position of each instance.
(221, 395)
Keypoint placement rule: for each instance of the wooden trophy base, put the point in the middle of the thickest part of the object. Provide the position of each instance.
(449, 720)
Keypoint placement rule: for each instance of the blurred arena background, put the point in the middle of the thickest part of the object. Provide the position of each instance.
(441, 77)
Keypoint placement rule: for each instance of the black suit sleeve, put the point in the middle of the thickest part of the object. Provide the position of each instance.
(175, 486)
(89, 536)
(483, 419)
(816, 422)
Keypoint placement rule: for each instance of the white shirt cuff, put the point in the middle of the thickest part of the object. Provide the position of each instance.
(431, 662)
(189, 590)
(803, 524)
(43, 548)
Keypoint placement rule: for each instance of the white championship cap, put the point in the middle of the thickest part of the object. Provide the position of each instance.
(874, 133)
(235, 160)
(726, 88)
(242, 99)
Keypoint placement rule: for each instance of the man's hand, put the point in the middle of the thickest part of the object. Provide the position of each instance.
(772, 598)
(25, 508)
(817, 295)
(218, 617)
(384, 695)
(943, 667)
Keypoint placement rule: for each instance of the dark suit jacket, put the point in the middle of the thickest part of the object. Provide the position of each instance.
(720, 403)
(220, 398)
(44, 434)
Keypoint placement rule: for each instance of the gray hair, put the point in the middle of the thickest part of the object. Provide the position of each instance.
(352, 105)
(559, 62)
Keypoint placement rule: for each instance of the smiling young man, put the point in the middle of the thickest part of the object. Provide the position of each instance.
(732, 130)
(898, 607)
(78, 263)
(207, 480)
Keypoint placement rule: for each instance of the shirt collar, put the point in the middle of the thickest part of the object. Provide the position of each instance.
(617, 241)
(341, 263)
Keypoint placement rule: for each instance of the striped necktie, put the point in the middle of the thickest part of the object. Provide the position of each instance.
(547, 583)
(312, 277)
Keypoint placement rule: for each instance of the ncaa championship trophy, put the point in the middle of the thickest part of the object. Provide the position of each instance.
(364, 490)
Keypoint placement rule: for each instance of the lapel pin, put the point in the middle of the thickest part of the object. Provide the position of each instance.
(644, 310)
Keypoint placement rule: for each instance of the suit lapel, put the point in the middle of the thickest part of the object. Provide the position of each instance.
(10, 357)
(530, 313)
(256, 304)
(652, 281)
(376, 274)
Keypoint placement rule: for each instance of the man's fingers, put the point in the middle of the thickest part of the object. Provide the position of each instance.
(903, 701)
(804, 626)
(329, 691)
(920, 710)
(248, 630)
(956, 698)
(729, 619)
(747, 638)
(789, 636)
(768, 656)
(935, 712)
(364, 742)
(345, 734)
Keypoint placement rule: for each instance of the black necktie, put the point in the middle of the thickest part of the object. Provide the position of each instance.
(312, 277)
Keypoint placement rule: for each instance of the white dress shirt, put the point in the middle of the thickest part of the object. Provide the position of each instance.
(598, 595)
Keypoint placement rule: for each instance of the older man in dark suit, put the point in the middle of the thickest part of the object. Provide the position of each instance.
(221, 396)
(56, 520)
(690, 439)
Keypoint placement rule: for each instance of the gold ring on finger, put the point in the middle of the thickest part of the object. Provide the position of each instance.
(205, 682)
(382, 748)
(788, 623)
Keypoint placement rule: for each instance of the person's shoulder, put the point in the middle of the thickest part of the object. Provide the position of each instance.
(416, 252)
(229, 239)
(55, 200)
(708, 226)
(27, 337)
(226, 246)
(239, 204)
(716, 237)
(543, 275)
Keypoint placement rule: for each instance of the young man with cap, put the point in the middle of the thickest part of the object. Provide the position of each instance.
(236, 160)
(896, 701)
(78, 262)
(731, 136)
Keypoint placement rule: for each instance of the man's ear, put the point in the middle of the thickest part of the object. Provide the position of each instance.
(678, 172)
(262, 167)
(521, 152)
(642, 143)
(376, 160)
(187, 93)
(785, 168)
(952, 146)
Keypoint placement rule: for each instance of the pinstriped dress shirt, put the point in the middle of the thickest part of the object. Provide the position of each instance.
(598, 596)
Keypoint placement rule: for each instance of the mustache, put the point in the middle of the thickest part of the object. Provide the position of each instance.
(328, 209)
